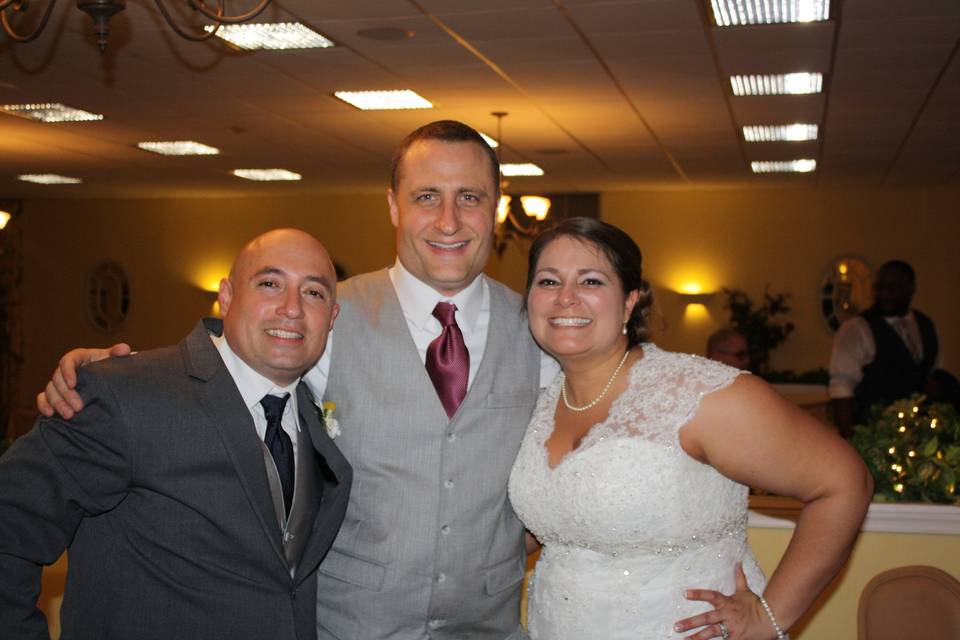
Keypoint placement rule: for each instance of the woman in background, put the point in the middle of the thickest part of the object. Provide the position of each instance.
(634, 471)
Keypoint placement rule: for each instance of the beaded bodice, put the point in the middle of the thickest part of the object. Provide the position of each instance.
(629, 509)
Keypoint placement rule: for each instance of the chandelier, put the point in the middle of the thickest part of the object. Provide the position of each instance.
(101, 11)
(518, 217)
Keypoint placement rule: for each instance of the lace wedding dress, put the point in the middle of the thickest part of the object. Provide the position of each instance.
(628, 520)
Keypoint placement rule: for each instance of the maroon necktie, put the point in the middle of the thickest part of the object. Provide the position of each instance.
(448, 362)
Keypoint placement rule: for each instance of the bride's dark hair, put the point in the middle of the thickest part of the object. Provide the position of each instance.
(622, 252)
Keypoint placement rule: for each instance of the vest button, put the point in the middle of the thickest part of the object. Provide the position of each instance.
(451, 437)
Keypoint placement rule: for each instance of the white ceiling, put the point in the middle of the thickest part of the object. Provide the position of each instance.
(603, 94)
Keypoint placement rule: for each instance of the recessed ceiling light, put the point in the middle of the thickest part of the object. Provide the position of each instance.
(373, 100)
(780, 133)
(274, 36)
(178, 148)
(48, 178)
(51, 112)
(490, 141)
(738, 12)
(785, 166)
(520, 169)
(777, 85)
(266, 175)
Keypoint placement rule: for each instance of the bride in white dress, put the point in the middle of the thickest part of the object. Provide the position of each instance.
(634, 470)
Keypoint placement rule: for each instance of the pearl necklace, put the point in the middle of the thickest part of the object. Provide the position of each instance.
(606, 387)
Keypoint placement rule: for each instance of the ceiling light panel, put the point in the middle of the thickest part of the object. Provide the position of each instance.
(780, 133)
(51, 112)
(178, 148)
(520, 169)
(48, 178)
(384, 100)
(275, 36)
(786, 166)
(728, 13)
(490, 141)
(777, 85)
(266, 175)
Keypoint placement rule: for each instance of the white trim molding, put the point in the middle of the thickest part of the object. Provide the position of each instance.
(882, 517)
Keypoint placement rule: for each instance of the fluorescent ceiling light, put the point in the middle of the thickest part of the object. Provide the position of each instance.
(785, 166)
(276, 36)
(777, 85)
(48, 178)
(372, 100)
(266, 175)
(490, 141)
(179, 148)
(51, 112)
(520, 169)
(728, 13)
(780, 133)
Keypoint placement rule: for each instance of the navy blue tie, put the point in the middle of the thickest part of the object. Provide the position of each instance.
(279, 444)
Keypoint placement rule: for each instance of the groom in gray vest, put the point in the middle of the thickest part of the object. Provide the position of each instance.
(434, 375)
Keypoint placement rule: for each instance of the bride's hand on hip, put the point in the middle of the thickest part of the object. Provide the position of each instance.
(734, 617)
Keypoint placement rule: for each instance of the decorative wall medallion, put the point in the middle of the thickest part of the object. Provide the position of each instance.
(845, 291)
(108, 296)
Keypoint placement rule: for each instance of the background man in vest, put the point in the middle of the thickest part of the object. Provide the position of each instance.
(435, 377)
(197, 491)
(884, 354)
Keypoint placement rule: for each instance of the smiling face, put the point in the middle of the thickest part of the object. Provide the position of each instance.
(279, 304)
(576, 302)
(443, 208)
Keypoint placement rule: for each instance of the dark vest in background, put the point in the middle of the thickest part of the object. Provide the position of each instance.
(893, 374)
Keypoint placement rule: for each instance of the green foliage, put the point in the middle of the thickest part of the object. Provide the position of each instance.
(758, 326)
(931, 432)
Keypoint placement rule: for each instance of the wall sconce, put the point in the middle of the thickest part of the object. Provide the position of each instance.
(9, 209)
(696, 298)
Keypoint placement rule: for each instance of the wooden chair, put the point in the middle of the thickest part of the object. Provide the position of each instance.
(910, 602)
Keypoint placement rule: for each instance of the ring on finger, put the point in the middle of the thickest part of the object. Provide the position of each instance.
(723, 631)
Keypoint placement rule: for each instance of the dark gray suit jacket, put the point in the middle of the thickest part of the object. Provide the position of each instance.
(158, 490)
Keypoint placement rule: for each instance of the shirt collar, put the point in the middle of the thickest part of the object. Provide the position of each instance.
(418, 299)
(251, 385)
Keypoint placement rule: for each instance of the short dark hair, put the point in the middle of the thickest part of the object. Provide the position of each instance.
(902, 267)
(622, 252)
(445, 131)
(719, 338)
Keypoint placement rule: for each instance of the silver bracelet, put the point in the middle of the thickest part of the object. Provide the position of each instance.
(773, 620)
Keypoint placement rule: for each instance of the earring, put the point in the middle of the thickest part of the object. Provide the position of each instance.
(624, 331)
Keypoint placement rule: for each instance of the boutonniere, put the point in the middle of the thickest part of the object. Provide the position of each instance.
(325, 412)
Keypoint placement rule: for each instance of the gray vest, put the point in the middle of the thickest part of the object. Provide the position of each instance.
(430, 547)
(307, 492)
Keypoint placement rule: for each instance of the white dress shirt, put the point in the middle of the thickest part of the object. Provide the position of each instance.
(854, 348)
(253, 387)
(417, 300)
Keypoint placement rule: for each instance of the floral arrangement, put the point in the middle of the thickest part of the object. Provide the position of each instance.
(329, 422)
(759, 325)
(912, 448)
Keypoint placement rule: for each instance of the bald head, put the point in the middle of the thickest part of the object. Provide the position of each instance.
(279, 304)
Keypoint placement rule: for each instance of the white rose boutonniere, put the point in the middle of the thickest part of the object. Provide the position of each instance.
(330, 423)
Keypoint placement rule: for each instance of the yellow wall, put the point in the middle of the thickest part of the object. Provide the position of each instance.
(741, 239)
(834, 615)
(788, 238)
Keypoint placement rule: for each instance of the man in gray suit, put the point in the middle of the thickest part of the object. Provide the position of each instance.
(430, 546)
(197, 492)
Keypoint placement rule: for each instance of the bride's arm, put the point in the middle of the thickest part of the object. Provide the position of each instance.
(752, 435)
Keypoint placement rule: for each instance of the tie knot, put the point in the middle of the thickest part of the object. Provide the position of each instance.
(273, 406)
(445, 312)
